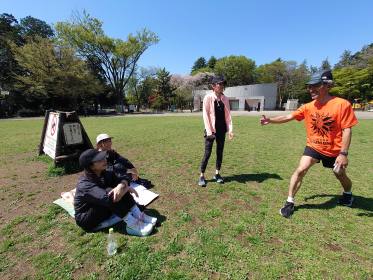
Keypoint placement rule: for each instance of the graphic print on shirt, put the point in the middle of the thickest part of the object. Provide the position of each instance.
(322, 124)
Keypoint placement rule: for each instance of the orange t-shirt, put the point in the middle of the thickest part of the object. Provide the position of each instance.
(324, 124)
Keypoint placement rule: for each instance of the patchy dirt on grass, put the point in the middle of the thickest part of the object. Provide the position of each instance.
(333, 247)
(26, 187)
(34, 244)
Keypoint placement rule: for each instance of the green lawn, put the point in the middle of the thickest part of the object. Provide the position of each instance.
(232, 231)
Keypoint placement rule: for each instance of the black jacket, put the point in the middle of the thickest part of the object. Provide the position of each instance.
(92, 191)
(118, 164)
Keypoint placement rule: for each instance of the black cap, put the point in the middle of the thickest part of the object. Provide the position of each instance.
(218, 80)
(90, 156)
(325, 77)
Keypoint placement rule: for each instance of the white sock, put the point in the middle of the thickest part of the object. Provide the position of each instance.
(348, 192)
(290, 199)
(217, 172)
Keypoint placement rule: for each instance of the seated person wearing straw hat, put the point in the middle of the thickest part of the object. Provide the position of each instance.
(99, 194)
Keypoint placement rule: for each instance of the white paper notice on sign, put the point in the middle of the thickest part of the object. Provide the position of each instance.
(50, 139)
(73, 133)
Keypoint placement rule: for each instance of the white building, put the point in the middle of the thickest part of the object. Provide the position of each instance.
(250, 97)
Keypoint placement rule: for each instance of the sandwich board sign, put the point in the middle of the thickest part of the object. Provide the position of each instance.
(50, 139)
(63, 137)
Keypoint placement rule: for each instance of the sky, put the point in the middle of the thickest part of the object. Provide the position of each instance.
(262, 30)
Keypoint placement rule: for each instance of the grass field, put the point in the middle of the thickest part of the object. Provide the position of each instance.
(230, 231)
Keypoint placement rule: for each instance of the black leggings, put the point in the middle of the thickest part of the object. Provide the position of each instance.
(220, 139)
(97, 214)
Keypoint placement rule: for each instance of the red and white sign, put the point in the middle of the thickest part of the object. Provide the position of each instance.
(50, 139)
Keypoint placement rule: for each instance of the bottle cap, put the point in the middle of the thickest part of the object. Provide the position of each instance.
(110, 230)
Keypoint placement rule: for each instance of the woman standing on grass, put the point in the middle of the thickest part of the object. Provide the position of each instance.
(218, 121)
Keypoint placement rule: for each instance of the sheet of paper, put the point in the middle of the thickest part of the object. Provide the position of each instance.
(145, 196)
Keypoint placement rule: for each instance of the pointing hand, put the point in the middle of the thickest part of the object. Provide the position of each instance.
(264, 120)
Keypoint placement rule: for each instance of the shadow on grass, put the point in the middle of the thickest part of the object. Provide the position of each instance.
(362, 203)
(259, 177)
(154, 213)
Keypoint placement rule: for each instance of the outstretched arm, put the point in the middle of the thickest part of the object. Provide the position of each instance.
(280, 119)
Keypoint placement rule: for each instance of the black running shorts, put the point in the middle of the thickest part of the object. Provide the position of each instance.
(327, 162)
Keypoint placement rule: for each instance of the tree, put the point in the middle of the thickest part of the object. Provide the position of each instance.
(31, 27)
(353, 75)
(54, 76)
(140, 86)
(345, 59)
(238, 70)
(183, 99)
(200, 80)
(207, 68)
(184, 86)
(203, 70)
(9, 33)
(361, 58)
(313, 69)
(117, 58)
(198, 64)
(163, 89)
(271, 72)
(325, 65)
(354, 83)
(290, 78)
(299, 75)
(211, 62)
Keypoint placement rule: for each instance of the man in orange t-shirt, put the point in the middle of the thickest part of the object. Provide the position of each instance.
(328, 122)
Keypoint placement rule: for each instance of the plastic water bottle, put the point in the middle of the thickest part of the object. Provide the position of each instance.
(111, 243)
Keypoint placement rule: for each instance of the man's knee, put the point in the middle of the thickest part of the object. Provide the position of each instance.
(300, 171)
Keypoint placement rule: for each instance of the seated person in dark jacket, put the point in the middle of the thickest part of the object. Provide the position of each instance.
(100, 193)
(122, 167)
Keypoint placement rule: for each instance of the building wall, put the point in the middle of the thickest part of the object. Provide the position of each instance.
(266, 94)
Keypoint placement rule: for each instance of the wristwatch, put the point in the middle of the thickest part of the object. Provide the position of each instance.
(343, 153)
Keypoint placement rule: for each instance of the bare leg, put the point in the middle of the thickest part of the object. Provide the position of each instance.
(295, 183)
(296, 179)
(345, 181)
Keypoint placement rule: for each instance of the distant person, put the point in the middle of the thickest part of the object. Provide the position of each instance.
(99, 194)
(328, 122)
(217, 121)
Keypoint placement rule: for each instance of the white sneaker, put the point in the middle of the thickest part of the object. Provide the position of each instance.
(137, 227)
(145, 218)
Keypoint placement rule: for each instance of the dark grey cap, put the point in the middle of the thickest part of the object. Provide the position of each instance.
(325, 77)
(90, 156)
(218, 79)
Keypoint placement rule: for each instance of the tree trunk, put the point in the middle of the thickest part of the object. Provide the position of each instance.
(119, 94)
